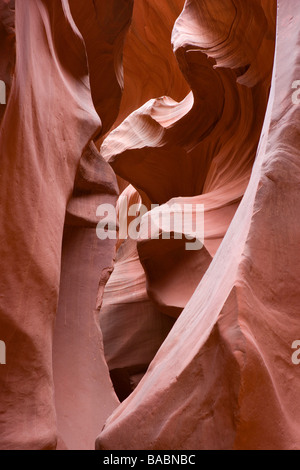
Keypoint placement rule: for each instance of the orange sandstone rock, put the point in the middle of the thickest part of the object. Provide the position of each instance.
(224, 378)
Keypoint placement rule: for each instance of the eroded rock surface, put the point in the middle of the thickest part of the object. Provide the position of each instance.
(224, 378)
(159, 102)
(199, 150)
(48, 124)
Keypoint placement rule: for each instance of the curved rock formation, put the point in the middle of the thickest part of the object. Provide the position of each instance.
(200, 150)
(103, 26)
(224, 378)
(79, 367)
(133, 328)
(150, 68)
(48, 124)
(190, 326)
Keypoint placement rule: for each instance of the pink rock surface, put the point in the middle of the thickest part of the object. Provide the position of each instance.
(196, 151)
(224, 379)
(103, 25)
(7, 40)
(49, 121)
(150, 67)
(168, 103)
(133, 327)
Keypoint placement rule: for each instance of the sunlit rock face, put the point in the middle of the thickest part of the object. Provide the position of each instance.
(7, 57)
(171, 103)
(223, 378)
(52, 180)
(198, 150)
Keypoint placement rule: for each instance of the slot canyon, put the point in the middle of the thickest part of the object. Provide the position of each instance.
(137, 342)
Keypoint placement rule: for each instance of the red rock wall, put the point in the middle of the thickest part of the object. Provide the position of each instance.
(199, 151)
(48, 123)
(224, 378)
(162, 103)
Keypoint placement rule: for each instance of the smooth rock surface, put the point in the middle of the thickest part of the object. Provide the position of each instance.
(48, 123)
(224, 378)
(197, 151)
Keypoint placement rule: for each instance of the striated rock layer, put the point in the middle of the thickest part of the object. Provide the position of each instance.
(50, 168)
(197, 151)
(168, 103)
(224, 378)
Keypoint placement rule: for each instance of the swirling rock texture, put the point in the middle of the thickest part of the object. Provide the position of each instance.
(52, 180)
(207, 142)
(170, 103)
(224, 379)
